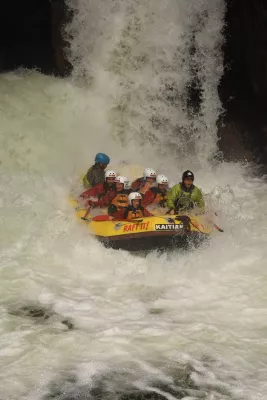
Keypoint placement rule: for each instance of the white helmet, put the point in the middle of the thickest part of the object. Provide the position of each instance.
(149, 173)
(134, 196)
(110, 174)
(124, 180)
(161, 179)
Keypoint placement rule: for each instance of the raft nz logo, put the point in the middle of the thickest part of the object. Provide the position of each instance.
(168, 227)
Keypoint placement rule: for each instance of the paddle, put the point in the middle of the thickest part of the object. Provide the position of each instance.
(90, 206)
(87, 212)
(217, 227)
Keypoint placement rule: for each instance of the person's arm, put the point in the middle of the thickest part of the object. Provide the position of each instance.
(148, 198)
(135, 185)
(93, 192)
(90, 175)
(172, 196)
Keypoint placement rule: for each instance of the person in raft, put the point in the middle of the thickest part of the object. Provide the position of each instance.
(120, 201)
(134, 209)
(144, 183)
(157, 195)
(185, 196)
(96, 173)
(101, 194)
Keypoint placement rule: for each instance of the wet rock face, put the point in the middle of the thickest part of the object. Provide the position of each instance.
(174, 381)
(60, 15)
(40, 314)
(243, 89)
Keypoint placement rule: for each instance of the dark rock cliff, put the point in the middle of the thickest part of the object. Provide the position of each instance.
(30, 36)
(243, 89)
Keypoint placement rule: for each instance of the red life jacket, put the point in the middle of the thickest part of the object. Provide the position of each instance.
(155, 196)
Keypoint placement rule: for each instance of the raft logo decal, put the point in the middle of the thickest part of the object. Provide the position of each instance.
(136, 227)
(169, 227)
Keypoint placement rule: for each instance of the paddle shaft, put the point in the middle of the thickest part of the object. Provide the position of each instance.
(87, 212)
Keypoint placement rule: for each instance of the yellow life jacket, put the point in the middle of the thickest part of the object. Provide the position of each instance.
(86, 183)
(135, 214)
(120, 201)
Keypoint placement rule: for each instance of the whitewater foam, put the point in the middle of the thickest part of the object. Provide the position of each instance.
(177, 324)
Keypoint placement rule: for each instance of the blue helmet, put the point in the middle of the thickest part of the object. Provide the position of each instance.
(102, 158)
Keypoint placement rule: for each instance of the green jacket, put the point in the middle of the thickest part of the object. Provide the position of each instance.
(180, 198)
(94, 175)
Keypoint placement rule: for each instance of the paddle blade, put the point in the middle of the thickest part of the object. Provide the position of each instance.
(218, 228)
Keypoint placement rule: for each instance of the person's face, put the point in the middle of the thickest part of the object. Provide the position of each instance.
(103, 166)
(110, 180)
(136, 203)
(119, 186)
(188, 182)
(150, 179)
(163, 186)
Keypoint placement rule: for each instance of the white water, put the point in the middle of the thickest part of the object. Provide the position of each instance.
(142, 316)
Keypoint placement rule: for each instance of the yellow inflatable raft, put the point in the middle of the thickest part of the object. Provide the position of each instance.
(147, 233)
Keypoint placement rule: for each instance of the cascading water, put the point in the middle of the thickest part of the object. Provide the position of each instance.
(81, 321)
(141, 58)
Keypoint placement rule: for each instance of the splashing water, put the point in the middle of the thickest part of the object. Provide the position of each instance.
(141, 58)
(81, 321)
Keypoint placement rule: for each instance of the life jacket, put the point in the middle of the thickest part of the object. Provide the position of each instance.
(131, 212)
(121, 200)
(97, 176)
(184, 202)
(86, 183)
(160, 197)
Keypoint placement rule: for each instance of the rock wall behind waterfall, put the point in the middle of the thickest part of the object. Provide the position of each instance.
(243, 89)
(31, 36)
